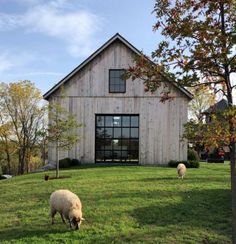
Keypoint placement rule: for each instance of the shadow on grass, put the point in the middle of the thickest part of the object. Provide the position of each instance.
(187, 179)
(30, 231)
(110, 165)
(153, 179)
(104, 165)
(207, 209)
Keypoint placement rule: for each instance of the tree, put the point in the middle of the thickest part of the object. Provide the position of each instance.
(198, 50)
(21, 108)
(6, 146)
(43, 139)
(202, 100)
(61, 128)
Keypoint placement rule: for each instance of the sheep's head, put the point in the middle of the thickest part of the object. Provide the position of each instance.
(76, 219)
(76, 222)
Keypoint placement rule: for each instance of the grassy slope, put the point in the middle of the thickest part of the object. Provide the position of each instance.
(122, 204)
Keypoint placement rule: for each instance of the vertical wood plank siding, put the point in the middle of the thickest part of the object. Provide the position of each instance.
(87, 94)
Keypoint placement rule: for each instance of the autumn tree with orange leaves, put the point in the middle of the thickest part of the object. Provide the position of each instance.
(198, 50)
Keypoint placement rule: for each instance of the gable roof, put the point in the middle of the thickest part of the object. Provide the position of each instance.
(116, 37)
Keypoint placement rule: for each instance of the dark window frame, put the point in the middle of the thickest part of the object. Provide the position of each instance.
(110, 90)
(106, 155)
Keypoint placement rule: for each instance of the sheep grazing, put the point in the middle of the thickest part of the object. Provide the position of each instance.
(69, 207)
(181, 169)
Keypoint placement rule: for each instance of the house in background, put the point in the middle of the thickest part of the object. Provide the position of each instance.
(122, 122)
(216, 108)
(213, 154)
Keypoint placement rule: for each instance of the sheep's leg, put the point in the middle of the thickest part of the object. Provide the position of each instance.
(62, 218)
(70, 224)
(52, 215)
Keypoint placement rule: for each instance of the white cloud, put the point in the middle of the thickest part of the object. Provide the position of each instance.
(58, 19)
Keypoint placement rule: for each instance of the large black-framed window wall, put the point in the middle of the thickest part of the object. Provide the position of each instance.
(117, 138)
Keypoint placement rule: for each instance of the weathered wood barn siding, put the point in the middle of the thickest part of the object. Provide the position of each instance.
(87, 94)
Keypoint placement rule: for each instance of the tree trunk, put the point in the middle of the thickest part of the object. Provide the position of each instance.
(44, 153)
(233, 190)
(57, 161)
(232, 172)
(8, 163)
(21, 168)
(19, 160)
(7, 151)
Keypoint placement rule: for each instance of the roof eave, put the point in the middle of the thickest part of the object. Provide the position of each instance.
(117, 36)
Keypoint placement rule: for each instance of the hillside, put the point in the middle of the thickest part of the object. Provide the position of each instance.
(122, 204)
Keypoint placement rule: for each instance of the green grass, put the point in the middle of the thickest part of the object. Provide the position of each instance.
(122, 204)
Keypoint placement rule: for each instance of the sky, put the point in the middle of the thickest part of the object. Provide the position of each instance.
(44, 40)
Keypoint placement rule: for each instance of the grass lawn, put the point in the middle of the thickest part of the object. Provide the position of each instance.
(122, 204)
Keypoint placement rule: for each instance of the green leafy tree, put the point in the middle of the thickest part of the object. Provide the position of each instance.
(202, 100)
(198, 50)
(61, 128)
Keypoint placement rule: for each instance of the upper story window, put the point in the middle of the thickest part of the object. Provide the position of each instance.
(116, 83)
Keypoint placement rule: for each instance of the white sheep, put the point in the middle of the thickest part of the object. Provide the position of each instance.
(181, 169)
(68, 205)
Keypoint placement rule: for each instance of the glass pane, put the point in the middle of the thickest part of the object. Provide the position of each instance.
(112, 81)
(116, 83)
(134, 133)
(133, 155)
(109, 121)
(112, 88)
(108, 144)
(124, 160)
(117, 132)
(120, 73)
(125, 143)
(124, 147)
(125, 132)
(116, 154)
(122, 88)
(108, 132)
(116, 87)
(124, 154)
(134, 121)
(100, 155)
(126, 121)
(99, 144)
(100, 132)
(116, 144)
(100, 120)
(108, 155)
(134, 145)
(112, 73)
(117, 121)
(99, 160)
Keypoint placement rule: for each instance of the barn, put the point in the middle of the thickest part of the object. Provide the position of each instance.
(121, 122)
